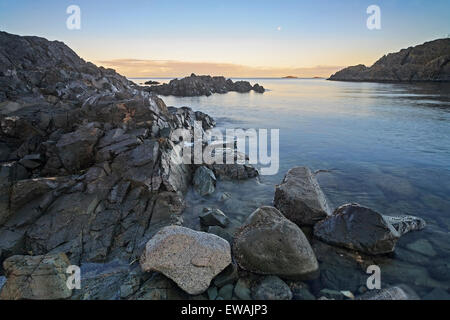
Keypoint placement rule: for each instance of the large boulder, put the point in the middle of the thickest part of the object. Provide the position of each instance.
(268, 243)
(300, 198)
(190, 258)
(359, 228)
(36, 277)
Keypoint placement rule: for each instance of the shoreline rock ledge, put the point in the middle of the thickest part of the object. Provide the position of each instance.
(188, 257)
(270, 244)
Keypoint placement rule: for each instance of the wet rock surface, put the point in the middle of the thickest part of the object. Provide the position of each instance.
(363, 229)
(271, 288)
(268, 243)
(203, 86)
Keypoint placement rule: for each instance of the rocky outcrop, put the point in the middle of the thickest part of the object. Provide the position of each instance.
(268, 243)
(425, 62)
(359, 228)
(300, 198)
(190, 258)
(87, 167)
(203, 86)
(36, 277)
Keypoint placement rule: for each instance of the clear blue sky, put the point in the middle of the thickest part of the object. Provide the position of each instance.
(257, 35)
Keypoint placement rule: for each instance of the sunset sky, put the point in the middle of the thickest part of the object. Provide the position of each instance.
(245, 38)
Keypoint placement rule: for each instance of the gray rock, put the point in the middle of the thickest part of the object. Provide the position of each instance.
(190, 258)
(212, 293)
(204, 181)
(226, 292)
(227, 276)
(242, 289)
(271, 288)
(214, 217)
(36, 277)
(440, 271)
(359, 228)
(221, 232)
(268, 243)
(300, 198)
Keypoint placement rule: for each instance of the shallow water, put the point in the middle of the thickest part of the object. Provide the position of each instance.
(387, 146)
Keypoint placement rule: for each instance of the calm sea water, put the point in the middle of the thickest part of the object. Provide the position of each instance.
(387, 146)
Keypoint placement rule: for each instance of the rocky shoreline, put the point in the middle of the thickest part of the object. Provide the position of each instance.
(194, 85)
(91, 176)
(428, 62)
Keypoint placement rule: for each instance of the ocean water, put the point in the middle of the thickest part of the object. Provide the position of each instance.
(386, 146)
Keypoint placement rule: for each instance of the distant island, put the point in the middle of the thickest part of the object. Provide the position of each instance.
(194, 85)
(426, 62)
(290, 77)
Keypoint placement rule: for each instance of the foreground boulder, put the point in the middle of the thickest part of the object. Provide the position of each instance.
(203, 86)
(269, 243)
(300, 198)
(359, 228)
(36, 277)
(190, 258)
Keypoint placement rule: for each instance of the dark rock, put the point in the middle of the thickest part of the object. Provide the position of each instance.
(242, 289)
(204, 181)
(440, 271)
(268, 243)
(271, 288)
(151, 82)
(214, 217)
(227, 276)
(331, 294)
(226, 292)
(300, 198)
(36, 277)
(359, 228)
(221, 232)
(425, 62)
(437, 294)
(202, 86)
(212, 293)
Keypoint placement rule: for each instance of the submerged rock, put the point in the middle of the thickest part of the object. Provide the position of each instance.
(271, 288)
(359, 228)
(36, 277)
(214, 217)
(400, 292)
(300, 198)
(190, 258)
(268, 243)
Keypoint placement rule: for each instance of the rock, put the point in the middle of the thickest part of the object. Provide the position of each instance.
(271, 288)
(331, 294)
(204, 181)
(400, 292)
(227, 276)
(158, 287)
(268, 243)
(36, 277)
(212, 293)
(422, 246)
(214, 217)
(226, 292)
(440, 271)
(435, 294)
(220, 232)
(202, 86)
(405, 224)
(242, 289)
(425, 62)
(300, 198)
(190, 258)
(302, 294)
(358, 228)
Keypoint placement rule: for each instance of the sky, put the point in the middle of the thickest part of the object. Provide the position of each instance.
(246, 38)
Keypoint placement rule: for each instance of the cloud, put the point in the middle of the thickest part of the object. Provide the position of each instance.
(173, 68)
